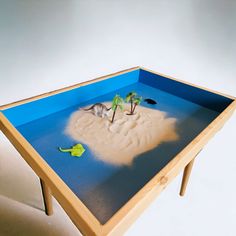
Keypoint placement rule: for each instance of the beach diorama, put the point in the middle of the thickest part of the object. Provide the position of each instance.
(118, 131)
(106, 140)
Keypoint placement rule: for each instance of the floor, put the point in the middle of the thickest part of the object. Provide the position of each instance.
(21, 202)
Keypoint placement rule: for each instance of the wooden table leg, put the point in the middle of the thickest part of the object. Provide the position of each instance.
(186, 174)
(47, 198)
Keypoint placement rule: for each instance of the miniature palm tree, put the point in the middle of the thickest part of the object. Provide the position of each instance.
(136, 101)
(116, 102)
(130, 98)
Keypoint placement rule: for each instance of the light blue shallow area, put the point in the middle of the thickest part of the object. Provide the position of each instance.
(104, 188)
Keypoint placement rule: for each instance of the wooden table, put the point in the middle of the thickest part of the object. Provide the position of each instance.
(16, 114)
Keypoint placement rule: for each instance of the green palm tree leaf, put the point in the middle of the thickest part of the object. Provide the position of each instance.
(130, 96)
(127, 99)
(121, 107)
(113, 106)
(137, 100)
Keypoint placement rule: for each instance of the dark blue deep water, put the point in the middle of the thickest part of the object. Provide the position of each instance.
(104, 188)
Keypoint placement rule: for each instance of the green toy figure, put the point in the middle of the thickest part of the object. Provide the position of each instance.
(75, 151)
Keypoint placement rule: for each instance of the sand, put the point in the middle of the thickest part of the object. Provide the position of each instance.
(120, 142)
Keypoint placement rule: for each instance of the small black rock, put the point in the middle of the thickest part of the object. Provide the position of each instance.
(150, 101)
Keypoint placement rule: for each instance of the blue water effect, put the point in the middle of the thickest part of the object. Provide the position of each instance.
(102, 187)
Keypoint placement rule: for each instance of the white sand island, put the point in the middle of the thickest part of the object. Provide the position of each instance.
(120, 142)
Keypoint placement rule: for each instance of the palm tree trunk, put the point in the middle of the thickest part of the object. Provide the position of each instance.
(113, 116)
(134, 108)
(131, 102)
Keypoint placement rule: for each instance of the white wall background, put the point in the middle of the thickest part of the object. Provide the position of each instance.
(48, 44)
(45, 45)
